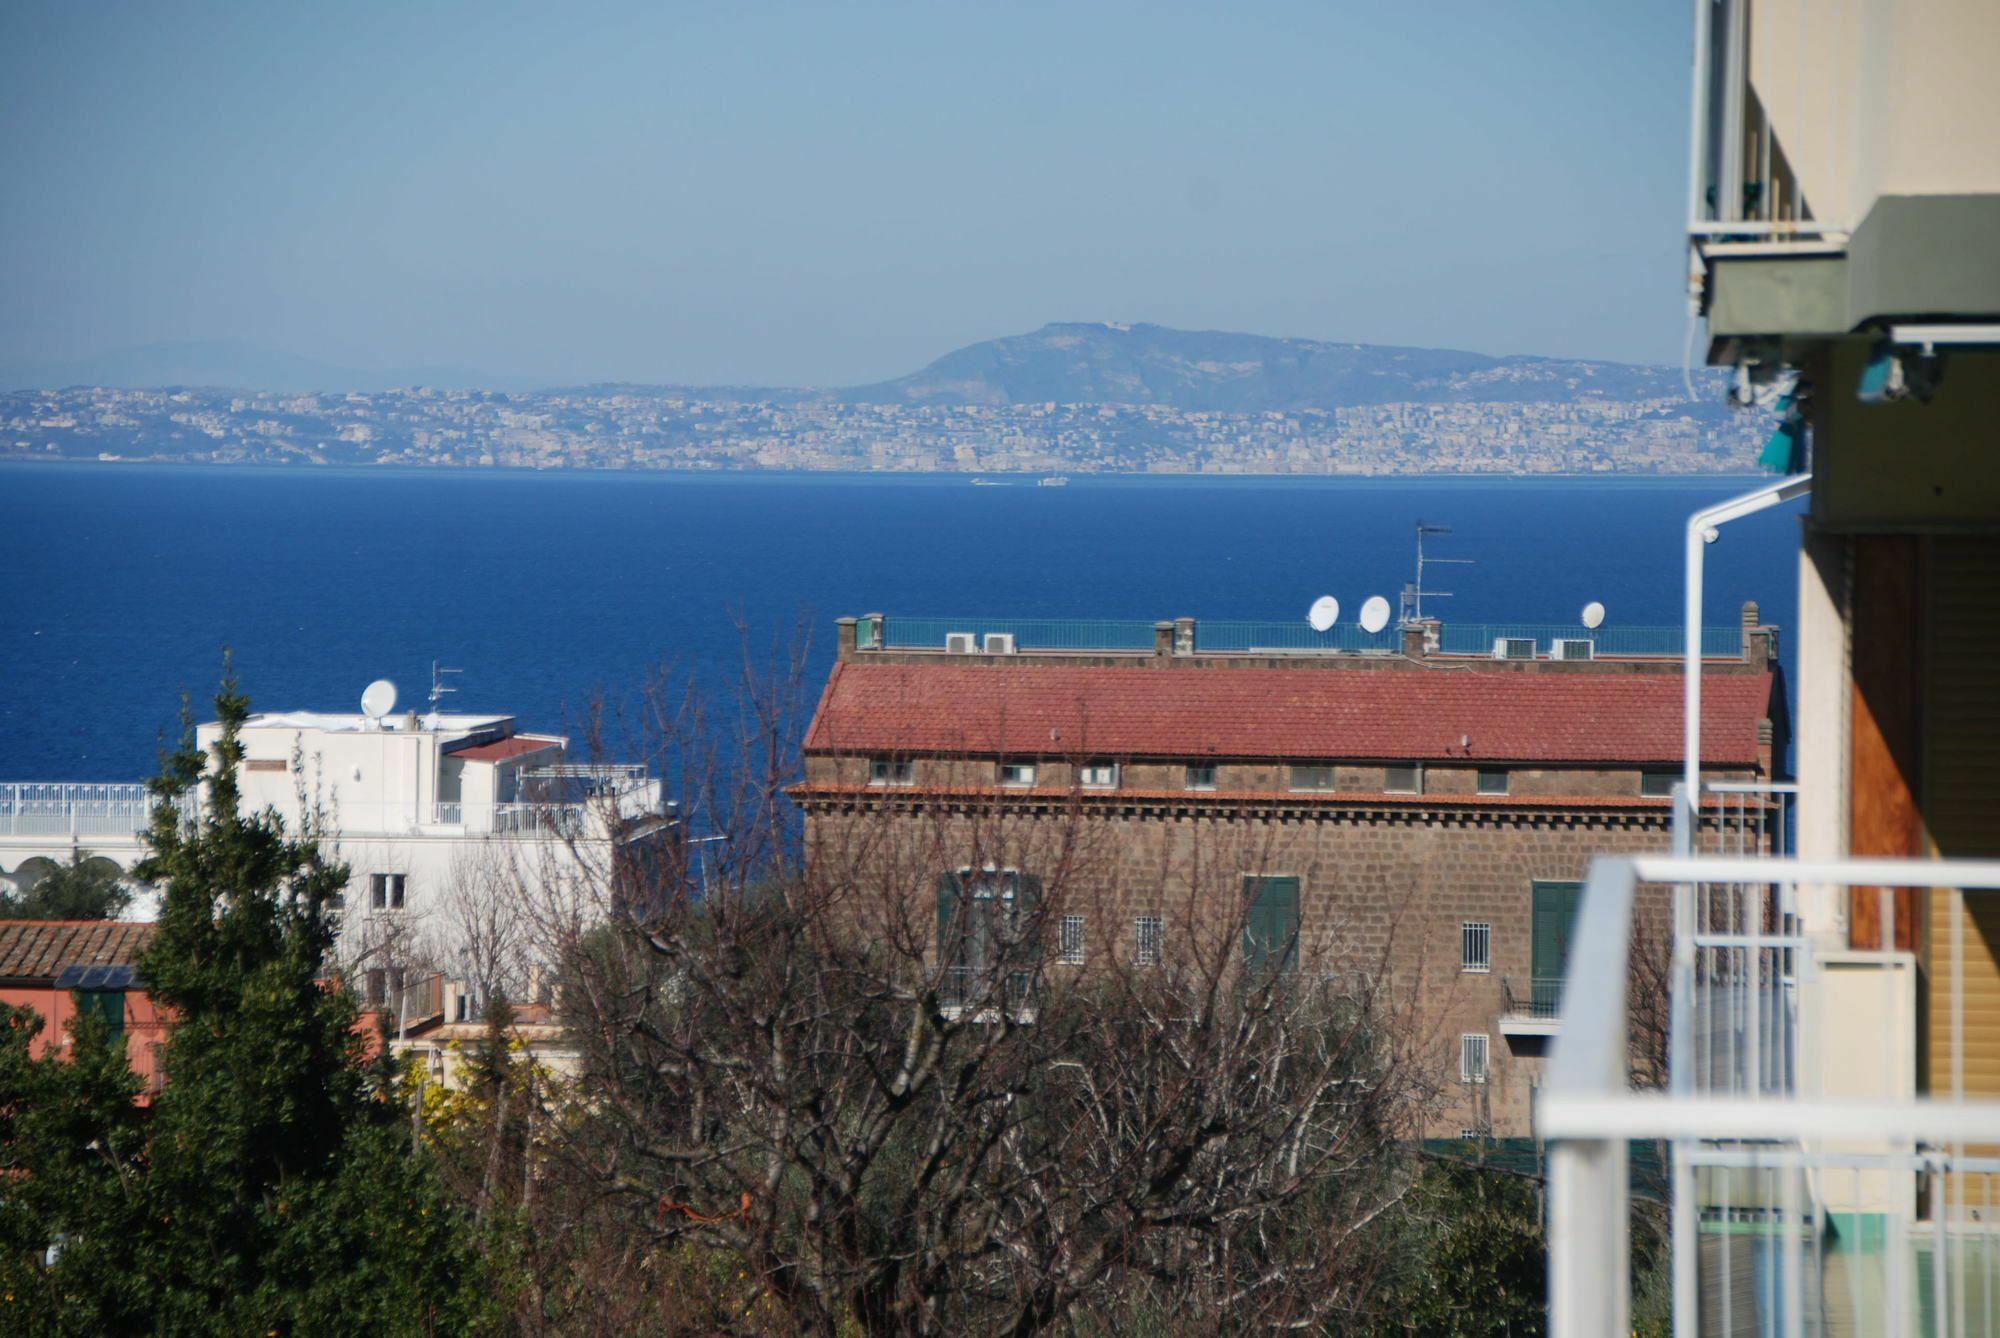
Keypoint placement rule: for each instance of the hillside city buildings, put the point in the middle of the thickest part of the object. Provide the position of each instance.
(1653, 429)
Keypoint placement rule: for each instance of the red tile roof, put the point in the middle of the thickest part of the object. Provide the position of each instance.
(1389, 715)
(39, 949)
(514, 745)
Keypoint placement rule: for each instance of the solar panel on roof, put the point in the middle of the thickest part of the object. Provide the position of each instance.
(93, 977)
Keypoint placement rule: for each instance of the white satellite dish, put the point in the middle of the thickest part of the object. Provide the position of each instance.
(1375, 614)
(1324, 613)
(1593, 615)
(379, 699)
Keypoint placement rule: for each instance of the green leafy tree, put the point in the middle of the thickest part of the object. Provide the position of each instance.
(1474, 1261)
(86, 888)
(273, 1187)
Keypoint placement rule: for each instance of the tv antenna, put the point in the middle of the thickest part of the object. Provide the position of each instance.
(438, 691)
(1413, 595)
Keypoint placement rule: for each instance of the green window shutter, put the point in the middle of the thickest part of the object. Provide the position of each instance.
(1027, 905)
(1554, 918)
(108, 1005)
(1270, 924)
(950, 931)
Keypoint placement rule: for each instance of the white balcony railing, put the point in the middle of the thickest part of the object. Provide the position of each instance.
(70, 809)
(1814, 1191)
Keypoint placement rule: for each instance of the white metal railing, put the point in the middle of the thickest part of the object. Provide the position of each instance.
(1740, 184)
(74, 809)
(450, 814)
(1814, 1191)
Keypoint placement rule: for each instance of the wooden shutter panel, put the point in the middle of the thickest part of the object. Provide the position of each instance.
(1027, 911)
(950, 932)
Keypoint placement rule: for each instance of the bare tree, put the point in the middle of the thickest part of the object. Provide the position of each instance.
(853, 1068)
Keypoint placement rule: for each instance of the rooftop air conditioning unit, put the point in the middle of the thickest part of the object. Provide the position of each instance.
(1577, 648)
(961, 643)
(999, 643)
(1514, 648)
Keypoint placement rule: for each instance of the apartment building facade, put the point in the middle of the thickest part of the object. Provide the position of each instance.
(1425, 814)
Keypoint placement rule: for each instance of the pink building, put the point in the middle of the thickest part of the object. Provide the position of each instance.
(62, 967)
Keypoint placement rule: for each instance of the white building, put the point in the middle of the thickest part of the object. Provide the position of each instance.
(471, 844)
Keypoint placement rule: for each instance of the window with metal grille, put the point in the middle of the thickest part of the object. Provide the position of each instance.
(1312, 778)
(1070, 943)
(1475, 946)
(385, 891)
(1149, 934)
(1200, 778)
(1472, 1057)
(1403, 780)
(1493, 780)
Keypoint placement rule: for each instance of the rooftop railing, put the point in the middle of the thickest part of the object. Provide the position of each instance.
(74, 809)
(1813, 1191)
(1224, 636)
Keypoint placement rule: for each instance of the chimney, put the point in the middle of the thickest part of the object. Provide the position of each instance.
(1421, 638)
(1756, 637)
(843, 640)
(1163, 639)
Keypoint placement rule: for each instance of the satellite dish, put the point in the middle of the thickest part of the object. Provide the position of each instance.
(1324, 613)
(1375, 614)
(1593, 615)
(379, 699)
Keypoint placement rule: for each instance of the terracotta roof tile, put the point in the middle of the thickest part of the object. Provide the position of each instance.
(1392, 715)
(39, 949)
(499, 750)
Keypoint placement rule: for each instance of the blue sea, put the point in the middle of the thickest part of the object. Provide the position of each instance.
(124, 582)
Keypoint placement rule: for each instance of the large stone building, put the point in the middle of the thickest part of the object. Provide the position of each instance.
(1400, 810)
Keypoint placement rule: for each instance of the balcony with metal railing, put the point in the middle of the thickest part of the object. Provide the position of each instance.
(1530, 1006)
(1815, 1191)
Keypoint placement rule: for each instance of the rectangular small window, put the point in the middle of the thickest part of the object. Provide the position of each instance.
(1017, 773)
(1472, 1057)
(1071, 944)
(1493, 780)
(374, 986)
(1658, 784)
(1098, 775)
(1199, 778)
(890, 771)
(1148, 934)
(1403, 780)
(1312, 778)
(385, 891)
(1475, 946)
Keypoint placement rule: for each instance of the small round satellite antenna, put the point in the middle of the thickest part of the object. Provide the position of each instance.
(1375, 614)
(1593, 615)
(1324, 613)
(379, 699)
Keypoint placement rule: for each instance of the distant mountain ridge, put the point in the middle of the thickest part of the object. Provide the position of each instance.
(1099, 362)
(1218, 371)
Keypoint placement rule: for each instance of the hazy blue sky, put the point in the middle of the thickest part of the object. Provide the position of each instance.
(819, 194)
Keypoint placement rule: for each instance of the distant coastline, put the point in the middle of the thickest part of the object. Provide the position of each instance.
(1072, 400)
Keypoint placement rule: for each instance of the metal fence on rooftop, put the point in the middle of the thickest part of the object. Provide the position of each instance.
(1225, 636)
